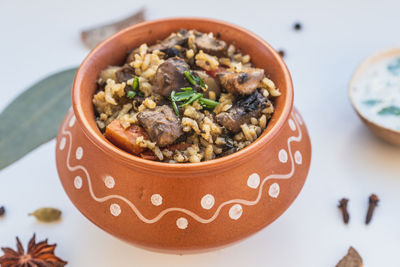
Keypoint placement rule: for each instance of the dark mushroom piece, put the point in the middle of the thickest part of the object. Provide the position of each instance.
(243, 83)
(242, 111)
(167, 45)
(161, 124)
(210, 45)
(118, 74)
(125, 73)
(169, 76)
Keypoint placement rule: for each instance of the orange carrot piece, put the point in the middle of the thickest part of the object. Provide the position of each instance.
(125, 138)
(148, 154)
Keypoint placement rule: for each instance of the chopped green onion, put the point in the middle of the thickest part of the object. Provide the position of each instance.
(201, 82)
(175, 107)
(194, 79)
(183, 95)
(130, 94)
(189, 76)
(135, 84)
(192, 99)
(189, 95)
(208, 103)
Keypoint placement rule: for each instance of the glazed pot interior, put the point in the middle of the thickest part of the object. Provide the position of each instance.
(114, 50)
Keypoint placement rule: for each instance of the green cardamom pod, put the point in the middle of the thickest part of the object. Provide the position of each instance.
(2, 210)
(46, 214)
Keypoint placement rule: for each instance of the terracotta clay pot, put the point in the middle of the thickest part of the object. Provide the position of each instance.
(191, 207)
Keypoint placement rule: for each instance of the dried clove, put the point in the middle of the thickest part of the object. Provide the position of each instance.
(373, 202)
(46, 214)
(2, 211)
(343, 208)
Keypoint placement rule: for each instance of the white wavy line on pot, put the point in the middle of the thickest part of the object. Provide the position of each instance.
(187, 212)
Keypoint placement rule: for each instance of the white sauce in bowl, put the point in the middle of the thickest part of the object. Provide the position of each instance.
(376, 93)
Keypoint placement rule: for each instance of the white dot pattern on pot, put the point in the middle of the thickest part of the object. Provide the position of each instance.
(298, 157)
(156, 199)
(292, 125)
(78, 182)
(235, 211)
(115, 209)
(72, 121)
(207, 202)
(283, 156)
(253, 181)
(79, 153)
(274, 190)
(109, 181)
(182, 223)
(62, 143)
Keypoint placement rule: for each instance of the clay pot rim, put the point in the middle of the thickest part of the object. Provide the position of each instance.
(153, 166)
(361, 68)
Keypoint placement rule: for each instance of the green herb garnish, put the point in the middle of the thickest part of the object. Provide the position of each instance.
(131, 94)
(391, 110)
(371, 102)
(201, 82)
(190, 77)
(135, 84)
(192, 99)
(183, 95)
(174, 106)
(194, 79)
(208, 103)
(189, 96)
(394, 67)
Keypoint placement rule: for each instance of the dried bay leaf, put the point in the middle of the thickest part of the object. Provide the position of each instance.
(34, 117)
(92, 37)
(46, 214)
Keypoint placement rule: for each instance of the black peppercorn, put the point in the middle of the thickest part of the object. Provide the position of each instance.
(297, 26)
(281, 53)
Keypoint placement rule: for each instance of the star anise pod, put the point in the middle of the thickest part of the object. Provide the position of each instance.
(38, 255)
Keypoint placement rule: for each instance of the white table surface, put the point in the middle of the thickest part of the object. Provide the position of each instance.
(42, 36)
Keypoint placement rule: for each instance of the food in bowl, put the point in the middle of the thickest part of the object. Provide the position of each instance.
(189, 98)
(376, 93)
(119, 192)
